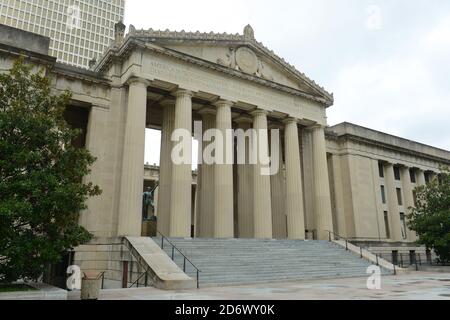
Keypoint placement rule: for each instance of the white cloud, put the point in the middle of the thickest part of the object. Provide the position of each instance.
(395, 79)
(402, 94)
(438, 39)
(374, 18)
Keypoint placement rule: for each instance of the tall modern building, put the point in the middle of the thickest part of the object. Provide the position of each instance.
(79, 29)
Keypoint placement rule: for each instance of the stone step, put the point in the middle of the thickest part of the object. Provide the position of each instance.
(245, 261)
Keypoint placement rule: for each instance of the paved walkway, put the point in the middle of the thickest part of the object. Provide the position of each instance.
(421, 286)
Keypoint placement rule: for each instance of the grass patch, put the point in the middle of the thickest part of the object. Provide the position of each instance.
(15, 288)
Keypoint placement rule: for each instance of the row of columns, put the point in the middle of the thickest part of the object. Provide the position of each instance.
(408, 199)
(215, 205)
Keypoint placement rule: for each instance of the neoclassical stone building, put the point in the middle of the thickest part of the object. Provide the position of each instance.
(348, 179)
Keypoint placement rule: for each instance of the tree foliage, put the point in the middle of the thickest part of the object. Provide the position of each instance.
(41, 176)
(430, 219)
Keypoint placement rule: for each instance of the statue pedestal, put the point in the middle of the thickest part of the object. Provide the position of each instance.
(149, 228)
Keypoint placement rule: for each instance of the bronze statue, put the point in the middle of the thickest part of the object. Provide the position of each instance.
(148, 201)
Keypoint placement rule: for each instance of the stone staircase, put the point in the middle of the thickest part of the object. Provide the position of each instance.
(242, 261)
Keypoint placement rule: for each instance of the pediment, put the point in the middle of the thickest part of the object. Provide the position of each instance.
(241, 53)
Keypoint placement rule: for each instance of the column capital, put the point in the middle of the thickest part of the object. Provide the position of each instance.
(138, 80)
(243, 119)
(99, 107)
(316, 126)
(290, 120)
(223, 103)
(207, 111)
(259, 112)
(167, 102)
(183, 93)
(274, 125)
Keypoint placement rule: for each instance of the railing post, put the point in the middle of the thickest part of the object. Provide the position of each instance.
(401, 259)
(184, 264)
(415, 260)
(125, 275)
(377, 260)
(360, 249)
(395, 271)
(329, 236)
(420, 259)
(103, 280)
(173, 252)
(146, 278)
(198, 285)
(346, 245)
(162, 242)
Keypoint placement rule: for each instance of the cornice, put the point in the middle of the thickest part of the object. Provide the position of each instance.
(351, 137)
(79, 74)
(145, 38)
(239, 38)
(131, 43)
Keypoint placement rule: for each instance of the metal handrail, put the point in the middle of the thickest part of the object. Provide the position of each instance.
(174, 247)
(367, 238)
(359, 247)
(135, 283)
(138, 260)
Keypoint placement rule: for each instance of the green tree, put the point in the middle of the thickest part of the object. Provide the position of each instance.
(41, 176)
(430, 219)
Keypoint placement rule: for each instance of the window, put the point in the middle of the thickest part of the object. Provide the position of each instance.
(386, 225)
(397, 173)
(412, 257)
(395, 257)
(427, 177)
(381, 169)
(399, 196)
(383, 195)
(403, 224)
(412, 174)
(429, 258)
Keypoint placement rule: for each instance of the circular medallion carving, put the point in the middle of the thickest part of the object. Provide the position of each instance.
(247, 60)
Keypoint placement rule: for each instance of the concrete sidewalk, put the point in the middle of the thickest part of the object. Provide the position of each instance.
(421, 286)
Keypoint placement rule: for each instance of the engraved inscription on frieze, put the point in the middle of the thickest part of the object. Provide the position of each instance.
(194, 78)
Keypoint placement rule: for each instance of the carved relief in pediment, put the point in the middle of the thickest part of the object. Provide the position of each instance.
(245, 60)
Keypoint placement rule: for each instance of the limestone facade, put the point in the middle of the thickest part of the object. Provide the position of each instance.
(331, 178)
(372, 178)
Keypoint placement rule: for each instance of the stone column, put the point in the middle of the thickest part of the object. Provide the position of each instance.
(278, 192)
(322, 198)
(205, 219)
(394, 213)
(165, 167)
(421, 178)
(294, 193)
(245, 185)
(181, 179)
(262, 204)
(97, 219)
(130, 207)
(223, 176)
(408, 200)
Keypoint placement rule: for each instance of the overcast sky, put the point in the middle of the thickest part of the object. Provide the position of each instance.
(386, 61)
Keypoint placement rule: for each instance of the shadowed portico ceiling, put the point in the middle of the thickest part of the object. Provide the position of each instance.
(236, 53)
